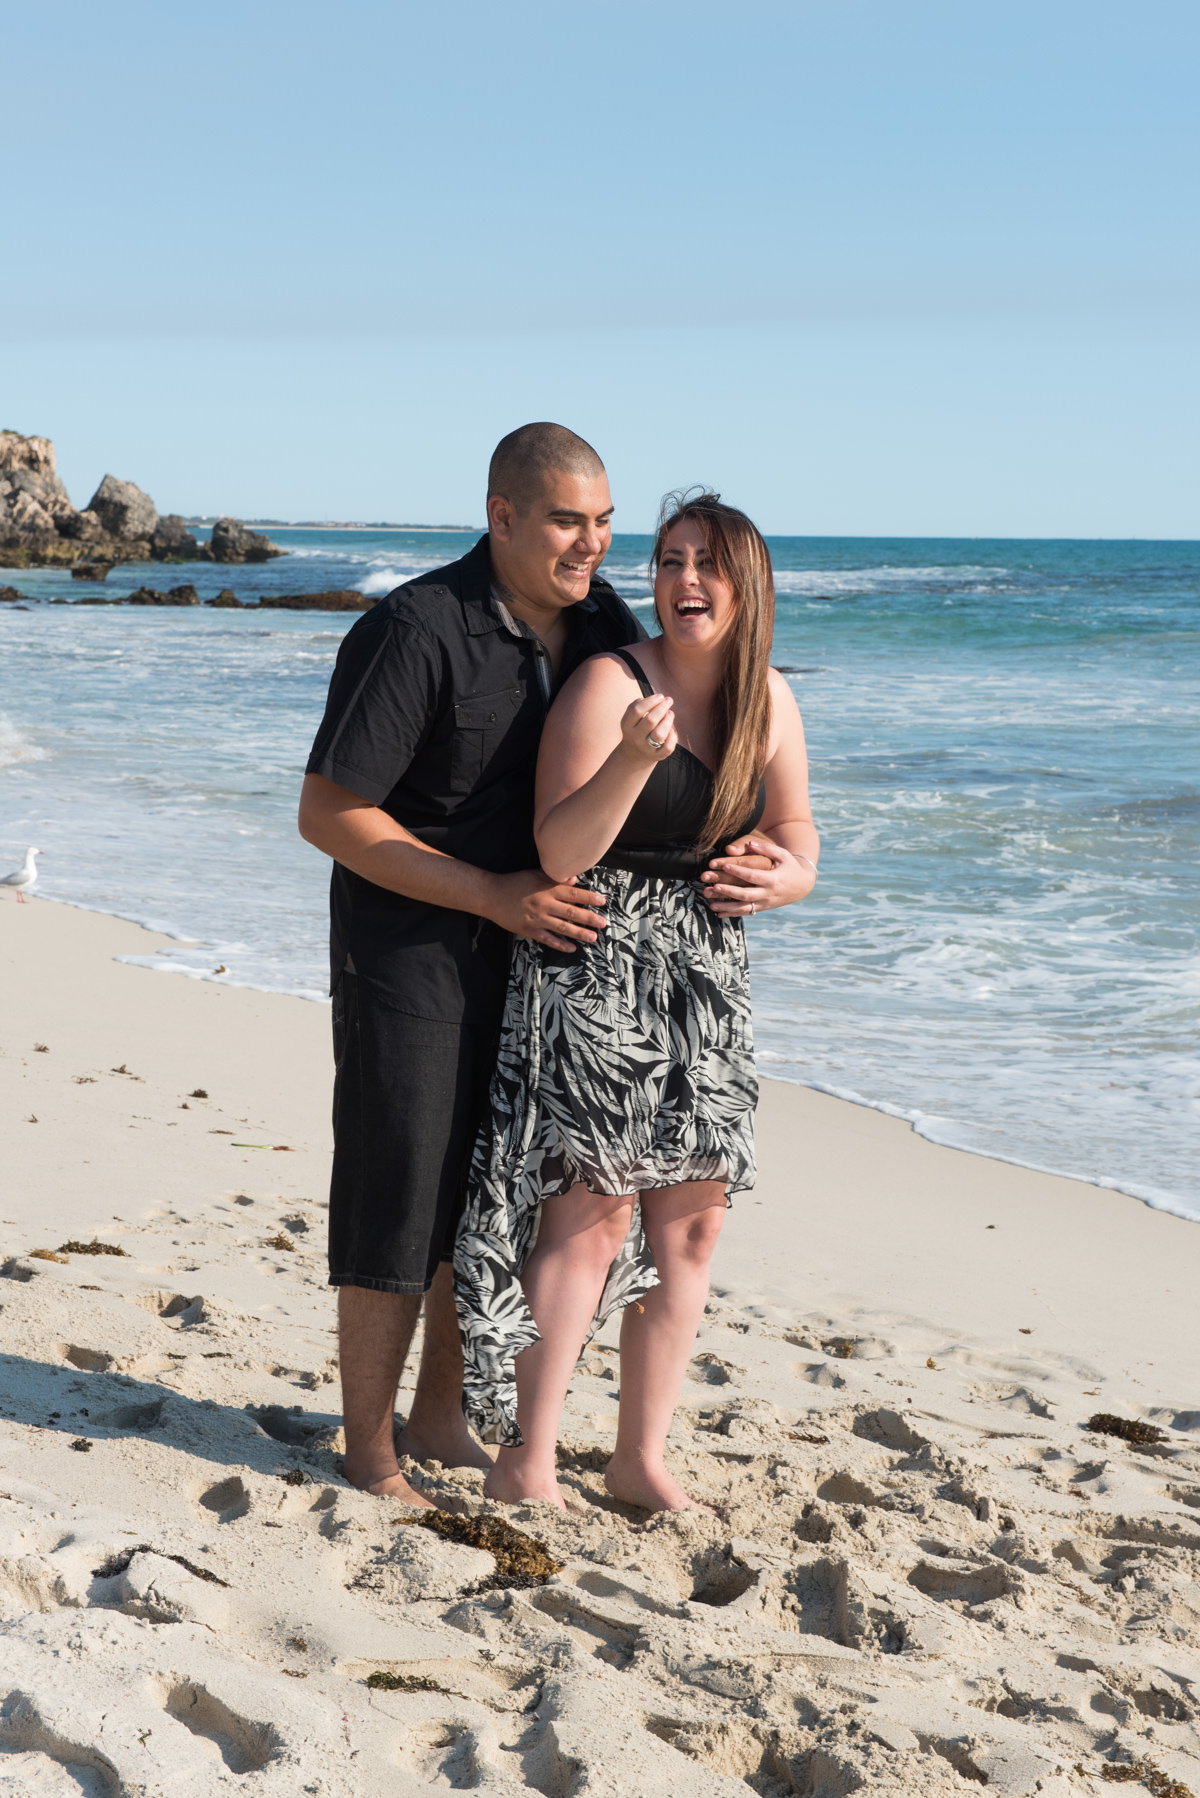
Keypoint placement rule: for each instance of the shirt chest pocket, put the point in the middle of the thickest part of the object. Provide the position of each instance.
(481, 724)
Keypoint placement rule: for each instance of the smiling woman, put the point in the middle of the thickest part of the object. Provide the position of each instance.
(622, 1103)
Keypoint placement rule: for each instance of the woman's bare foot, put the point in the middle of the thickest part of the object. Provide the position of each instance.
(651, 1488)
(513, 1481)
(453, 1445)
(389, 1485)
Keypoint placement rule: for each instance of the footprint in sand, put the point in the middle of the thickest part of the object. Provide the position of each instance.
(711, 1370)
(243, 1745)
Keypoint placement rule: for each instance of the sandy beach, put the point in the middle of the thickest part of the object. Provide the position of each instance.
(924, 1571)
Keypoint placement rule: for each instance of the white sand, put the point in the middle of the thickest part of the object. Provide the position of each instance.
(920, 1578)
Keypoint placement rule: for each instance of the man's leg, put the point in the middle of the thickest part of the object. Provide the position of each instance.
(405, 1103)
(436, 1429)
(374, 1331)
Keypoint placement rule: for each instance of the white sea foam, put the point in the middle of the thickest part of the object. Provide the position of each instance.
(16, 746)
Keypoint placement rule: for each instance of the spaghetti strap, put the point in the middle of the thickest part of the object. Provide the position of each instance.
(635, 668)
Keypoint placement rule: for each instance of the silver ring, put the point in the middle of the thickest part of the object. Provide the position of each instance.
(753, 909)
(654, 742)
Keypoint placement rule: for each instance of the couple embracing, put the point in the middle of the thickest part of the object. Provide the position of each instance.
(546, 829)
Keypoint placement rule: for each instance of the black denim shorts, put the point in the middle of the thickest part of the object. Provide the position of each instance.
(408, 1095)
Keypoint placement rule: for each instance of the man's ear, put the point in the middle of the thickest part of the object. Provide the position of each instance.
(501, 514)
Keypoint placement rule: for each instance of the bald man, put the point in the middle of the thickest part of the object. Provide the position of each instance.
(420, 787)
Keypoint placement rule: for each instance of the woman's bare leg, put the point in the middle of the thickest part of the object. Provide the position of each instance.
(682, 1224)
(578, 1239)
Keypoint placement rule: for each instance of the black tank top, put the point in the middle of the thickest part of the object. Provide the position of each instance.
(661, 833)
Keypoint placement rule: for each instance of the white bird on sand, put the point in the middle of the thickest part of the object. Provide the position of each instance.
(25, 877)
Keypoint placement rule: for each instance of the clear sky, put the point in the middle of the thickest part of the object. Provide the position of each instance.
(869, 266)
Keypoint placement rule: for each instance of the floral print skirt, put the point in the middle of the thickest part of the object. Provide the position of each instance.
(626, 1066)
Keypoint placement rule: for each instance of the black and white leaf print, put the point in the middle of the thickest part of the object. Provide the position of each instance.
(624, 1067)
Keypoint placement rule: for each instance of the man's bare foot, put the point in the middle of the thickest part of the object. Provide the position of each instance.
(652, 1489)
(453, 1447)
(511, 1482)
(391, 1485)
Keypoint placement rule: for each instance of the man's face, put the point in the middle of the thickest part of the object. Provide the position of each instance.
(549, 554)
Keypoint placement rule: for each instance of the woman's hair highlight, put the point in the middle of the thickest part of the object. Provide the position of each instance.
(742, 709)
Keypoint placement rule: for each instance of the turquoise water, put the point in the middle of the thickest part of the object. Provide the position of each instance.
(1003, 944)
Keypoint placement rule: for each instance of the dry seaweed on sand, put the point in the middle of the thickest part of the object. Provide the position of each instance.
(379, 1681)
(119, 1563)
(94, 1247)
(46, 1255)
(1129, 1429)
(841, 1346)
(1147, 1774)
(521, 1560)
(280, 1241)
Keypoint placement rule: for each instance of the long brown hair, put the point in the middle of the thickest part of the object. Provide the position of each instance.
(742, 708)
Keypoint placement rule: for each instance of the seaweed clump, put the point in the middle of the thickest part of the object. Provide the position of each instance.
(1129, 1429)
(120, 1563)
(94, 1247)
(521, 1560)
(1147, 1774)
(46, 1255)
(841, 1346)
(379, 1681)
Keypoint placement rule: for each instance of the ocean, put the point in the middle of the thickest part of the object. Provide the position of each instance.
(1002, 947)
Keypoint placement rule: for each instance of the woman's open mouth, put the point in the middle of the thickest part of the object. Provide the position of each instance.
(691, 608)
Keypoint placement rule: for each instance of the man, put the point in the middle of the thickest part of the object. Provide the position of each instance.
(420, 786)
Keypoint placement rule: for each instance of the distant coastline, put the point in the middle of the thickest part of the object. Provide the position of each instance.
(308, 524)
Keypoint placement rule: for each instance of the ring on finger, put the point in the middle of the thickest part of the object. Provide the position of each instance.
(654, 742)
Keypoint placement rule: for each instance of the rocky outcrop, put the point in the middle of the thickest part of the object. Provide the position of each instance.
(232, 541)
(338, 599)
(124, 511)
(39, 527)
(225, 598)
(172, 541)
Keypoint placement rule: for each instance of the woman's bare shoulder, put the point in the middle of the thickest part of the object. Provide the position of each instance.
(600, 676)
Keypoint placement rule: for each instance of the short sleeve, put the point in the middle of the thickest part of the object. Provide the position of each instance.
(383, 700)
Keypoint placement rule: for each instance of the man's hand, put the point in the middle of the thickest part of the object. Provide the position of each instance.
(558, 915)
(755, 875)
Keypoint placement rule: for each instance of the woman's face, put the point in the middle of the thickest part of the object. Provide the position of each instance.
(695, 606)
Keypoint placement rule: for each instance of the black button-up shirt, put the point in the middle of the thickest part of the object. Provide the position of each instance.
(434, 714)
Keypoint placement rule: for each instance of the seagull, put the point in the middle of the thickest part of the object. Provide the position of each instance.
(24, 878)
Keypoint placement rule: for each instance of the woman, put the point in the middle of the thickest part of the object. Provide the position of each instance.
(622, 1104)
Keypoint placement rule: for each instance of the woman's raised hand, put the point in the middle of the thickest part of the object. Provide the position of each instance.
(755, 875)
(648, 728)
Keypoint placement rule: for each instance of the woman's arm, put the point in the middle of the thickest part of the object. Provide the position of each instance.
(787, 840)
(594, 760)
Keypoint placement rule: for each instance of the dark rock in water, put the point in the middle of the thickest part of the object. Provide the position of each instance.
(10, 596)
(337, 599)
(124, 511)
(226, 597)
(95, 599)
(155, 596)
(232, 541)
(172, 541)
(91, 571)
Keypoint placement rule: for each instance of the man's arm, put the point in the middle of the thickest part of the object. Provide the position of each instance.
(366, 840)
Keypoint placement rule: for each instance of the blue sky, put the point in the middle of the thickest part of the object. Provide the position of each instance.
(870, 268)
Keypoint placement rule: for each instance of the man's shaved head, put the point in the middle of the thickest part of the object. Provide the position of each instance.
(522, 460)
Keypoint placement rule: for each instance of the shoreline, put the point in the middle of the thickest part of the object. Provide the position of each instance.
(926, 1558)
(1167, 1203)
